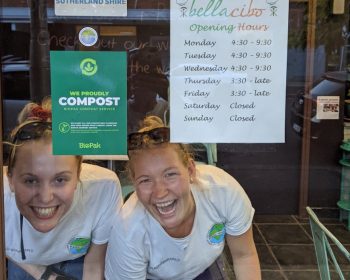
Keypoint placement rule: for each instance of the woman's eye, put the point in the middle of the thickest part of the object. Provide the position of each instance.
(170, 175)
(61, 180)
(30, 181)
(144, 181)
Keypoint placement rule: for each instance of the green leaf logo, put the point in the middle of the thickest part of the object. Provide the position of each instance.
(88, 67)
(63, 127)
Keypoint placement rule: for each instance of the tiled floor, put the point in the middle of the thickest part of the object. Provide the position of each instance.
(285, 247)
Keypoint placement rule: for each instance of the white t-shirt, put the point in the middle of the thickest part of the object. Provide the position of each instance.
(139, 247)
(97, 200)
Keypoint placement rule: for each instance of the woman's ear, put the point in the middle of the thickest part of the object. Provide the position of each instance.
(10, 181)
(192, 169)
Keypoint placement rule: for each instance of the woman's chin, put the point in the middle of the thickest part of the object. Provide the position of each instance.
(43, 227)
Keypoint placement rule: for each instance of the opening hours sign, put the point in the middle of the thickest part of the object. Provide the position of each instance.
(228, 70)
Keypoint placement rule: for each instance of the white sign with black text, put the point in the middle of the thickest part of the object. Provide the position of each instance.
(228, 70)
(92, 8)
(327, 108)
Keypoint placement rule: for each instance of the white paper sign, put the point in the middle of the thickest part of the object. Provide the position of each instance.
(228, 70)
(98, 8)
(327, 108)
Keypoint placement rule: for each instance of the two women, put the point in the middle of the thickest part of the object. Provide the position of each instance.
(58, 211)
(176, 224)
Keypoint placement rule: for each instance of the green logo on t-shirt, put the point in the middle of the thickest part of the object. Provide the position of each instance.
(79, 245)
(216, 234)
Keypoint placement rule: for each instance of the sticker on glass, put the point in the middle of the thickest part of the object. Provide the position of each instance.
(88, 36)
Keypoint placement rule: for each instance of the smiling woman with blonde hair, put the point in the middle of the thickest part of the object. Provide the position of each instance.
(58, 211)
(176, 224)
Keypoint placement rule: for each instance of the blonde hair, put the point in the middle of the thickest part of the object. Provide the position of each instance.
(32, 112)
(153, 122)
(27, 112)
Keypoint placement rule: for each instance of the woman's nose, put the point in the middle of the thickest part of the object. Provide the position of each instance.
(46, 194)
(160, 189)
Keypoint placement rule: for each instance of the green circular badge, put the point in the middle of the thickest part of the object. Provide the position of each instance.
(216, 234)
(63, 127)
(88, 67)
(79, 245)
(88, 36)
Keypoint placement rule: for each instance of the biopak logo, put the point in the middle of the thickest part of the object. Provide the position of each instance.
(88, 67)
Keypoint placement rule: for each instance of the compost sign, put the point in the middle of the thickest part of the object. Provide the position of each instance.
(89, 103)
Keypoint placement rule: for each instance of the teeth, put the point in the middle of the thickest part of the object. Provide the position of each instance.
(165, 204)
(44, 212)
(166, 208)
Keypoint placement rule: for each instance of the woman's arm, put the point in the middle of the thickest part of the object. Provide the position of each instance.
(94, 262)
(125, 259)
(36, 271)
(244, 256)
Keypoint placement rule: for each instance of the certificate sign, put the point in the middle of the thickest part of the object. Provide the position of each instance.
(100, 8)
(228, 70)
(327, 108)
(89, 103)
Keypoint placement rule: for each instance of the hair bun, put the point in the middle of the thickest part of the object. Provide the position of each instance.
(39, 113)
(151, 122)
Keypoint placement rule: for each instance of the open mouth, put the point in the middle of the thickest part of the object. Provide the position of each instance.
(167, 207)
(45, 212)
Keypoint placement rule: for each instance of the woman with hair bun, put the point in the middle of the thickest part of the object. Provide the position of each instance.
(176, 224)
(58, 211)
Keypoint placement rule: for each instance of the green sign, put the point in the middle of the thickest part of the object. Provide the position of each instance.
(88, 91)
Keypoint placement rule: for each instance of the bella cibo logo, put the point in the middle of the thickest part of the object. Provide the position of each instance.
(216, 234)
(63, 127)
(273, 7)
(88, 67)
(183, 8)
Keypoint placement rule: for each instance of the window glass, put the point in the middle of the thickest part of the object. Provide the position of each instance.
(272, 174)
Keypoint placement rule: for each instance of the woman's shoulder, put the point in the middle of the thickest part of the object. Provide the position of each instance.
(215, 185)
(133, 213)
(99, 182)
(133, 220)
(212, 176)
(92, 172)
